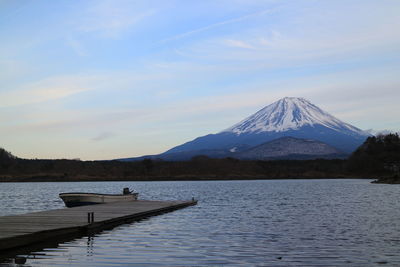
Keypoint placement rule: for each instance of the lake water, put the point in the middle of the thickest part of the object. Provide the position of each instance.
(236, 223)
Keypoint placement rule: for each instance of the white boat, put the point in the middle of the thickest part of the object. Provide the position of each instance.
(75, 199)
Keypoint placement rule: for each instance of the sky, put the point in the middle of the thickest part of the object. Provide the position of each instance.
(110, 79)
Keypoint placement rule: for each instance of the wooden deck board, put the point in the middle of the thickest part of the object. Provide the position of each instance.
(26, 229)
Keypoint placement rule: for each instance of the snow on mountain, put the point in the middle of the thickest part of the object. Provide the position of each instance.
(289, 116)
(290, 113)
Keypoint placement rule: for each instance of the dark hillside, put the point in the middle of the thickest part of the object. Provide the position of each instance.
(6, 159)
(378, 155)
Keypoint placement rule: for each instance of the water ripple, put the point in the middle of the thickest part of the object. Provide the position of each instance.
(236, 223)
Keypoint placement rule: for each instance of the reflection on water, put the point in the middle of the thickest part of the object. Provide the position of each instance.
(236, 223)
(89, 246)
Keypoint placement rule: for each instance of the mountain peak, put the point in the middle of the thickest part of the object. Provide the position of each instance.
(290, 116)
(292, 98)
(290, 113)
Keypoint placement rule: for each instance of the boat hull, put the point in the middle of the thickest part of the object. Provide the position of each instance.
(82, 199)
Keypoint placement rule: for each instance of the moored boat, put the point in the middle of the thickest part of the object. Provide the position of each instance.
(75, 199)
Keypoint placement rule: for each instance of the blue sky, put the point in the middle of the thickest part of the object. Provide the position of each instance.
(110, 79)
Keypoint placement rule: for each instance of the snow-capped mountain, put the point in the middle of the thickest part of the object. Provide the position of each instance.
(289, 116)
(291, 113)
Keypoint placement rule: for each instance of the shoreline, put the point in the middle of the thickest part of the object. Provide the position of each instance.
(387, 180)
(41, 179)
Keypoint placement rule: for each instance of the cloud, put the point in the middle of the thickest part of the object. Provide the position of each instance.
(341, 56)
(45, 90)
(384, 132)
(217, 25)
(103, 136)
(77, 46)
(309, 36)
(12, 69)
(110, 19)
(238, 44)
(61, 86)
(18, 7)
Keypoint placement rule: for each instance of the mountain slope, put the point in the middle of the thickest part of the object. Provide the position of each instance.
(291, 113)
(290, 116)
(290, 148)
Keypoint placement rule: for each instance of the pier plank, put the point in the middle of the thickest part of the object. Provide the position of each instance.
(26, 229)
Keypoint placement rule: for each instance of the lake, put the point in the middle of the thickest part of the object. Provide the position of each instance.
(236, 223)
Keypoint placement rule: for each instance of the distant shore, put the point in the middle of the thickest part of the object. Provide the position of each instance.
(51, 178)
(197, 169)
(387, 180)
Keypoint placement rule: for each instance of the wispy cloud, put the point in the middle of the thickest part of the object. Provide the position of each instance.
(20, 6)
(93, 70)
(115, 84)
(103, 136)
(45, 90)
(110, 19)
(12, 69)
(383, 131)
(216, 25)
(238, 44)
(77, 46)
(307, 37)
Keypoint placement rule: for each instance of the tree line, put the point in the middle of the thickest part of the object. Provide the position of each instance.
(377, 156)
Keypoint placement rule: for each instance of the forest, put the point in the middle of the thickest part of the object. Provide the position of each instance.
(377, 157)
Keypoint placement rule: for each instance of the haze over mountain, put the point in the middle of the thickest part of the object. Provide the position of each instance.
(289, 116)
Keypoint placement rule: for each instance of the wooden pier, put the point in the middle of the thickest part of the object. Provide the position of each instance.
(27, 229)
